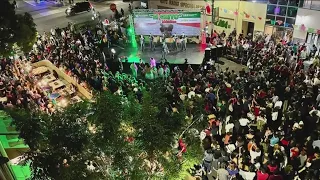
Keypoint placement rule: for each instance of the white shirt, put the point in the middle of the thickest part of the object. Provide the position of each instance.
(229, 127)
(278, 104)
(247, 175)
(274, 116)
(316, 81)
(244, 121)
(254, 155)
(303, 54)
(230, 148)
(191, 94)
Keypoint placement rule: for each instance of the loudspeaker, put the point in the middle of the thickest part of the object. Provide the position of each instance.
(219, 51)
(207, 54)
(213, 52)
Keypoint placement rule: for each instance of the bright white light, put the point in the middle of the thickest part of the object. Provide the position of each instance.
(63, 103)
(28, 68)
(113, 51)
(253, 1)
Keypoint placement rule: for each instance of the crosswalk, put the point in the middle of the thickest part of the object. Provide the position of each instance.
(40, 3)
(48, 13)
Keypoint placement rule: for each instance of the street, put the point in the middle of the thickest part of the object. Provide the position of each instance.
(48, 14)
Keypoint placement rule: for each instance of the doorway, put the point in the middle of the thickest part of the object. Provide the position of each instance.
(247, 27)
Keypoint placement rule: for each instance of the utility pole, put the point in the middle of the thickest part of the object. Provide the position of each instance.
(212, 15)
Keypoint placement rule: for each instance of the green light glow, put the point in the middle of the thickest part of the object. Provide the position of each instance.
(131, 33)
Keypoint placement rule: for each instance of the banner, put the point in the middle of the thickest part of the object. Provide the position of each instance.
(169, 23)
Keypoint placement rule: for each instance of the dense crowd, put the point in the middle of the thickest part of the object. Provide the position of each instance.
(262, 122)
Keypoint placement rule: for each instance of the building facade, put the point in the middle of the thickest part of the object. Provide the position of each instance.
(307, 26)
(295, 19)
(246, 17)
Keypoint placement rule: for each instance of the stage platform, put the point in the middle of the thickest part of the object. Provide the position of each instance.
(194, 54)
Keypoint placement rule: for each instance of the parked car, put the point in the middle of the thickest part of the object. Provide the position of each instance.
(78, 8)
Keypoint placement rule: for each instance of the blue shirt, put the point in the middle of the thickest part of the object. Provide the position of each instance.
(211, 96)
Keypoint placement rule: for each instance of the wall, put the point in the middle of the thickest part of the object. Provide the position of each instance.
(255, 9)
(309, 18)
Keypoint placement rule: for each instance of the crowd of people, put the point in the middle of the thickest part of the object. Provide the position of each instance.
(262, 121)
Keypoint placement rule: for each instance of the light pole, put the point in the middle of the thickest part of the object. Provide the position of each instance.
(212, 12)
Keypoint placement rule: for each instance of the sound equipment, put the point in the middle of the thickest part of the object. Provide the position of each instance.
(219, 50)
(214, 52)
(207, 54)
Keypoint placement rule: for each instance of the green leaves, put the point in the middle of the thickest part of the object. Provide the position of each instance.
(119, 130)
(19, 29)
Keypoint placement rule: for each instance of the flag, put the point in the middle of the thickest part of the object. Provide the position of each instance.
(310, 30)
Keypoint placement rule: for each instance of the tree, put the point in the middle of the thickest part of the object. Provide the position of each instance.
(157, 123)
(106, 117)
(19, 29)
(60, 144)
(31, 126)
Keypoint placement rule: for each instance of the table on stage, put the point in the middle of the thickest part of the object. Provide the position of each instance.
(56, 84)
(48, 78)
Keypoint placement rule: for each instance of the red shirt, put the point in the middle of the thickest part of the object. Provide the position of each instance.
(262, 176)
(182, 146)
(229, 90)
(272, 168)
(256, 110)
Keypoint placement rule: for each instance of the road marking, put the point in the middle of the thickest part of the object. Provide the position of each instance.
(48, 13)
(32, 3)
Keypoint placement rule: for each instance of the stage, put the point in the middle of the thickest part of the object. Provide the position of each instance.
(194, 54)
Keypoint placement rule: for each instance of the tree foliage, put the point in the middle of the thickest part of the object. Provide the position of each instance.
(57, 143)
(157, 123)
(118, 133)
(15, 28)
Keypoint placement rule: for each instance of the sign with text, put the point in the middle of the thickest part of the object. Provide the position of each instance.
(168, 23)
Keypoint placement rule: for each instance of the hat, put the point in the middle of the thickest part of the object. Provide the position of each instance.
(301, 123)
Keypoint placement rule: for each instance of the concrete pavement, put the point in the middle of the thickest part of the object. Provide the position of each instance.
(47, 14)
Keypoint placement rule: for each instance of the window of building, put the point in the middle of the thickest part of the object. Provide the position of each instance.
(282, 12)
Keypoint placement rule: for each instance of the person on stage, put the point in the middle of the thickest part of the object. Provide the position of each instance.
(165, 50)
(153, 62)
(183, 42)
(134, 69)
(152, 47)
(175, 40)
(162, 38)
(141, 42)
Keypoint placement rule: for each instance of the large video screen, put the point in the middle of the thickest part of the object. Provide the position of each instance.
(168, 23)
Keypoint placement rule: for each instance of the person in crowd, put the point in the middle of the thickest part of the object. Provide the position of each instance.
(262, 121)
